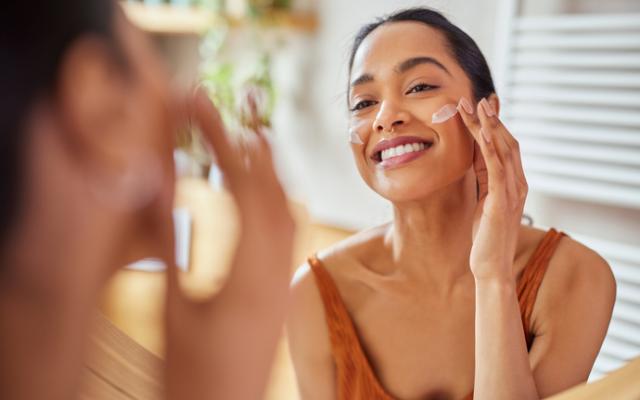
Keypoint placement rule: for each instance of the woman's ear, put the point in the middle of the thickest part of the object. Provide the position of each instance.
(90, 100)
(495, 102)
(97, 122)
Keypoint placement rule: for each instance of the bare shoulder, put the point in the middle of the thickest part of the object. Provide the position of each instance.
(572, 263)
(344, 257)
(307, 310)
(578, 268)
(578, 280)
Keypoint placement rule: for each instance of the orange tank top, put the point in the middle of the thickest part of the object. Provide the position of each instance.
(354, 376)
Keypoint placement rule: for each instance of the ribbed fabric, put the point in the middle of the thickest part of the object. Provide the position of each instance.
(355, 377)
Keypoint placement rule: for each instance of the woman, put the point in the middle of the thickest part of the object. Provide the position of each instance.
(87, 129)
(447, 301)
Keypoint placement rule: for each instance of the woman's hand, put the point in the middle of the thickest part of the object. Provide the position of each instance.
(502, 192)
(223, 347)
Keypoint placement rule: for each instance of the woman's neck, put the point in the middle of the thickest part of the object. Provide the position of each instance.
(430, 240)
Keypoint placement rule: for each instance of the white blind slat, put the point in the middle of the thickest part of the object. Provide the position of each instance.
(588, 22)
(624, 331)
(585, 170)
(580, 96)
(579, 151)
(587, 191)
(606, 41)
(585, 115)
(576, 78)
(620, 349)
(578, 60)
(582, 133)
(627, 311)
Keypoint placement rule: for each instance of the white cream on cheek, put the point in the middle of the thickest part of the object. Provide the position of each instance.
(354, 138)
(444, 114)
(359, 130)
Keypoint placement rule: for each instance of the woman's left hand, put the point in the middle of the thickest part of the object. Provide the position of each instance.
(502, 192)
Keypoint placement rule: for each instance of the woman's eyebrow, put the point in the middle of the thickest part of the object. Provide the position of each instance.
(362, 79)
(402, 68)
(415, 61)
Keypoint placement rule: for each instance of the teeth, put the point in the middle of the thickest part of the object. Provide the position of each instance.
(400, 150)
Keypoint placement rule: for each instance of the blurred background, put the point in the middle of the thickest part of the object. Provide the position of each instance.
(568, 74)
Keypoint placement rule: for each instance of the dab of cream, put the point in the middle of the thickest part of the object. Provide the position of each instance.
(354, 138)
(444, 114)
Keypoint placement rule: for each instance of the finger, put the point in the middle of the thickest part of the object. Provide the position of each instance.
(495, 171)
(480, 169)
(507, 149)
(469, 118)
(210, 122)
(502, 131)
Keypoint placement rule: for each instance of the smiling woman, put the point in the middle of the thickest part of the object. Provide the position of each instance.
(453, 298)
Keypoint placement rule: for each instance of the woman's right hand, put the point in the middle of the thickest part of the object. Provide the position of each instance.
(223, 347)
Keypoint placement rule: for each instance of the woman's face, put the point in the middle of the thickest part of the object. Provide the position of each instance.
(151, 126)
(402, 73)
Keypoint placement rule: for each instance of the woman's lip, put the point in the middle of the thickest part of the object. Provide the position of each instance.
(403, 159)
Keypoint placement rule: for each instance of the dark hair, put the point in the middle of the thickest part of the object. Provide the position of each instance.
(464, 49)
(34, 35)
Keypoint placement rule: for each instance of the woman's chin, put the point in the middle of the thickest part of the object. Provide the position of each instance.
(402, 192)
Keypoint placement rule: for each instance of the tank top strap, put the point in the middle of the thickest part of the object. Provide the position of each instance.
(532, 276)
(341, 330)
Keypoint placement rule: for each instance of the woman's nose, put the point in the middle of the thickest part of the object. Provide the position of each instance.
(389, 117)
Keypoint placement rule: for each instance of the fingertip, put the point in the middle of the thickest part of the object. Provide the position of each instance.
(485, 108)
(465, 105)
(461, 110)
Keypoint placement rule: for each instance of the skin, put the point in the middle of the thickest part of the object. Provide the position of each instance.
(104, 121)
(432, 294)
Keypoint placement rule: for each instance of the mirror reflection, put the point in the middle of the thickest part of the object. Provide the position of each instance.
(318, 200)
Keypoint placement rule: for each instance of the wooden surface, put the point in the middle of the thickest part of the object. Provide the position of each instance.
(623, 384)
(118, 367)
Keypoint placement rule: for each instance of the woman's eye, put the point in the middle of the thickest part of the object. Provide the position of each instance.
(421, 87)
(363, 104)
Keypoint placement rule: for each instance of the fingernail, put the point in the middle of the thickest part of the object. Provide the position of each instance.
(488, 109)
(466, 105)
(485, 135)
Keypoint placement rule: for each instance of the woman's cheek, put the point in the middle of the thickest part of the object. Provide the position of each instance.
(461, 142)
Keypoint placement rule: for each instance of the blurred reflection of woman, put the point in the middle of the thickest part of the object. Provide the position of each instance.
(454, 298)
(87, 132)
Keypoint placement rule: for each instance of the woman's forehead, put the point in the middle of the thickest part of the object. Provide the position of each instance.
(394, 42)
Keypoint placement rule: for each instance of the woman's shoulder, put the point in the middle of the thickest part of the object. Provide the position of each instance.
(576, 276)
(568, 250)
(343, 264)
(570, 259)
(346, 255)
(306, 323)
